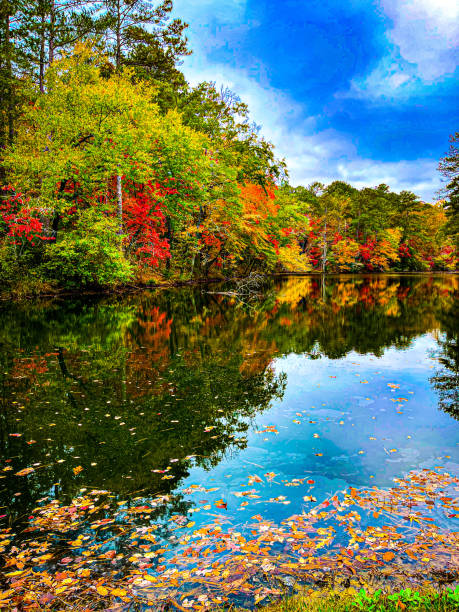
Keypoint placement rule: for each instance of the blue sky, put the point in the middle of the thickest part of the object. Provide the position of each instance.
(356, 90)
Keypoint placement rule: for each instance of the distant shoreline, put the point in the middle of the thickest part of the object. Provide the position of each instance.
(127, 289)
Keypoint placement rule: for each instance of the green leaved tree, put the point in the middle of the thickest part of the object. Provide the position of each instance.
(87, 134)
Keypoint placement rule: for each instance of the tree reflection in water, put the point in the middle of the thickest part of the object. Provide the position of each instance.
(142, 388)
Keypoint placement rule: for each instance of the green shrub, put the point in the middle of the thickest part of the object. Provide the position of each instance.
(91, 257)
(8, 265)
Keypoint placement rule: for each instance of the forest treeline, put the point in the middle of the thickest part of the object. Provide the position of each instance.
(114, 170)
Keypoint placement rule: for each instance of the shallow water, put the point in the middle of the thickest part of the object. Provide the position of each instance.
(351, 383)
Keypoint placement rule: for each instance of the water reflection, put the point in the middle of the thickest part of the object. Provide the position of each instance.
(140, 390)
(446, 379)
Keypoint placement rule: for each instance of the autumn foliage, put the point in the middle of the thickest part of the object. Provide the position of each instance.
(124, 192)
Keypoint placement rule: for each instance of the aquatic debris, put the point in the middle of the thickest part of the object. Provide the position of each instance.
(352, 532)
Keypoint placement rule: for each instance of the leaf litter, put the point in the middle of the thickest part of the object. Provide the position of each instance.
(90, 553)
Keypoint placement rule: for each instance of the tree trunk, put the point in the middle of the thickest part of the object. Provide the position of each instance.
(201, 217)
(10, 79)
(119, 199)
(169, 239)
(324, 246)
(42, 55)
(52, 21)
(57, 216)
(118, 37)
(7, 128)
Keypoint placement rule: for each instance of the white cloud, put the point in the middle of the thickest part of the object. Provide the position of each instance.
(203, 11)
(311, 154)
(417, 175)
(422, 49)
(427, 34)
(390, 81)
(212, 22)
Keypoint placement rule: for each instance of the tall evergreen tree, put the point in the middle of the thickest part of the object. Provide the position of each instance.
(8, 82)
(449, 168)
(43, 29)
(141, 33)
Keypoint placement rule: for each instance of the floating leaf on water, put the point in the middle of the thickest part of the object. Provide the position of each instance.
(102, 591)
(25, 471)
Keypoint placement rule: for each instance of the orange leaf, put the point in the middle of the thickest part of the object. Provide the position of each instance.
(25, 471)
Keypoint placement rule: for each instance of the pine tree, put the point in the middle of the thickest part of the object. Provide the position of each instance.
(44, 29)
(449, 168)
(8, 82)
(142, 34)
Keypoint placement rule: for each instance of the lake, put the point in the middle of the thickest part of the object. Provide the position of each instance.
(229, 403)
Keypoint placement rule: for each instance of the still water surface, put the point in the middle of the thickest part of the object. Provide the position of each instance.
(351, 383)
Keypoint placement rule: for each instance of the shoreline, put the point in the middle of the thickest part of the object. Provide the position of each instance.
(137, 288)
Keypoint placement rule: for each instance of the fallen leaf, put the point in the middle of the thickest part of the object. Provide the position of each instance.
(25, 471)
(102, 591)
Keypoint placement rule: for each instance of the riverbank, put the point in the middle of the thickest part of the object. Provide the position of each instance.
(42, 289)
(370, 601)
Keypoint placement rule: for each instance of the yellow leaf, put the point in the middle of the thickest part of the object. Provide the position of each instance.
(388, 556)
(102, 590)
(149, 578)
